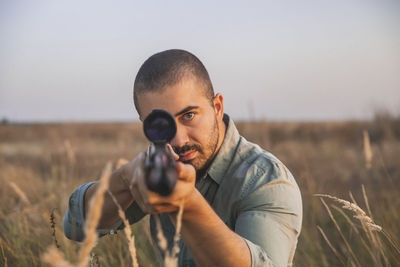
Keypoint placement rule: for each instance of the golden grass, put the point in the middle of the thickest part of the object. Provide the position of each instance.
(127, 230)
(130, 237)
(323, 157)
(4, 256)
(367, 150)
(93, 217)
(374, 246)
(70, 152)
(19, 192)
(330, 245)
(344, 239)
(55, 258)
(162, 241)
(171, 257)
(358, 212)
(175, 248)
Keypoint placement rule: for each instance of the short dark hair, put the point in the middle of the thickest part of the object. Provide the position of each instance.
(167, 68)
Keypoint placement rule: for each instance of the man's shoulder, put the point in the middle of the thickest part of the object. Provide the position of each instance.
(257, 168)
(262, 182)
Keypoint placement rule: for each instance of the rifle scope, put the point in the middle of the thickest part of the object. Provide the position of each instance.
(159, 126)
(160, 168)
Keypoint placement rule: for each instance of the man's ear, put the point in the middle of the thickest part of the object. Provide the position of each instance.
(218, 102)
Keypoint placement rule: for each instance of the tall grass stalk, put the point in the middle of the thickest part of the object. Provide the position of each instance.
(70, 152)
(367, 150)
(54, 257)
(358, 212)
(127, 231)
(3, 255)
(170, 257)
(330, 245)
(376, 249)
(95, 208)
(349, 249)
(370, 230)
(19, 192)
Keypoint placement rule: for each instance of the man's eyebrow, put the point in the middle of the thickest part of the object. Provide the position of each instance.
(186, 110)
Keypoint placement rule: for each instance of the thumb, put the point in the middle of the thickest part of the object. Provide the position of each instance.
(171, 150)
(186, 172)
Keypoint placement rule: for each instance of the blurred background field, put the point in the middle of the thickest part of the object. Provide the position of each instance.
(41, 164)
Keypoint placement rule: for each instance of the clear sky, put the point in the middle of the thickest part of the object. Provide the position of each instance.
(279, 60)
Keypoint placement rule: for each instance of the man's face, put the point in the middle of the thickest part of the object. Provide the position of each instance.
(198, 133)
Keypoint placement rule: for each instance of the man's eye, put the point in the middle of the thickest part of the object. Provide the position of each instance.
(188, 116)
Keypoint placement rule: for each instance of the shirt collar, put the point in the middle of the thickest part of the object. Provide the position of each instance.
(224, 157)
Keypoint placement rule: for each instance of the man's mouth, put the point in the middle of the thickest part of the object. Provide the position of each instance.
(189, 155)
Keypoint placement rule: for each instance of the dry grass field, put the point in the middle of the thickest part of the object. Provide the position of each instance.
(41, 164)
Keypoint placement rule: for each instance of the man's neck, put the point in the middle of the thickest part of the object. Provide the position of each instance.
(223, 126)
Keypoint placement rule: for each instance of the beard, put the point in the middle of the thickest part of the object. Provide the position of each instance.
(206, 152)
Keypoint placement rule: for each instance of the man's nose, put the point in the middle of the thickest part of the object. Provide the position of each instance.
(181, 138)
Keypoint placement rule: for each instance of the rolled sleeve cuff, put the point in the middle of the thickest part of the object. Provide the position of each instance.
(258, 255)
(74, 218)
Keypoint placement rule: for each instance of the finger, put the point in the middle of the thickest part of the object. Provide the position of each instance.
(128, 170)
(171, 150)
(137, 183)
(165, 209)
(137, 195)
(142, 187)
(139, 200)
(141, 192)
(156, 199)
(181, 191)
(185, 172)
(160, 202)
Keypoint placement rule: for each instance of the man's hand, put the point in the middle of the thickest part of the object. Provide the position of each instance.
(151, 202)
(205, 234)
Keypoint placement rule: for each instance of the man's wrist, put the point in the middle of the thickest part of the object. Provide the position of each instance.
(119, 186)
(192, 203)
(190, 206)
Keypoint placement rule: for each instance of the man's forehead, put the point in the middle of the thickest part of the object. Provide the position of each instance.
(172, 98)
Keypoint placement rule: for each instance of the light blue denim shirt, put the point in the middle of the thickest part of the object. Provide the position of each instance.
(249, 189)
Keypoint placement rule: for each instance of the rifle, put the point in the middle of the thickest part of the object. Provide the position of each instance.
(160, 167)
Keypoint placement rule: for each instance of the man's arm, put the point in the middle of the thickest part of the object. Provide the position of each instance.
(119, 189)
(266, 230)
(270, 220)
(74, 217)
(208, 238)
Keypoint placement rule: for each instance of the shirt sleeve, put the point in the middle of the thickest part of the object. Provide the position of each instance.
(74, 218)
(73, 221)
(270, 220)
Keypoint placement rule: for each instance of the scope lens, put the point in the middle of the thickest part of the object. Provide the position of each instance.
(159, 126)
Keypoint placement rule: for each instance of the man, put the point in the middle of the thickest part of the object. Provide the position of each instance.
(242, 207)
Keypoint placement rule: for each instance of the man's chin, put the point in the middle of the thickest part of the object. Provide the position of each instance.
(193, 163)
(186, 161)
